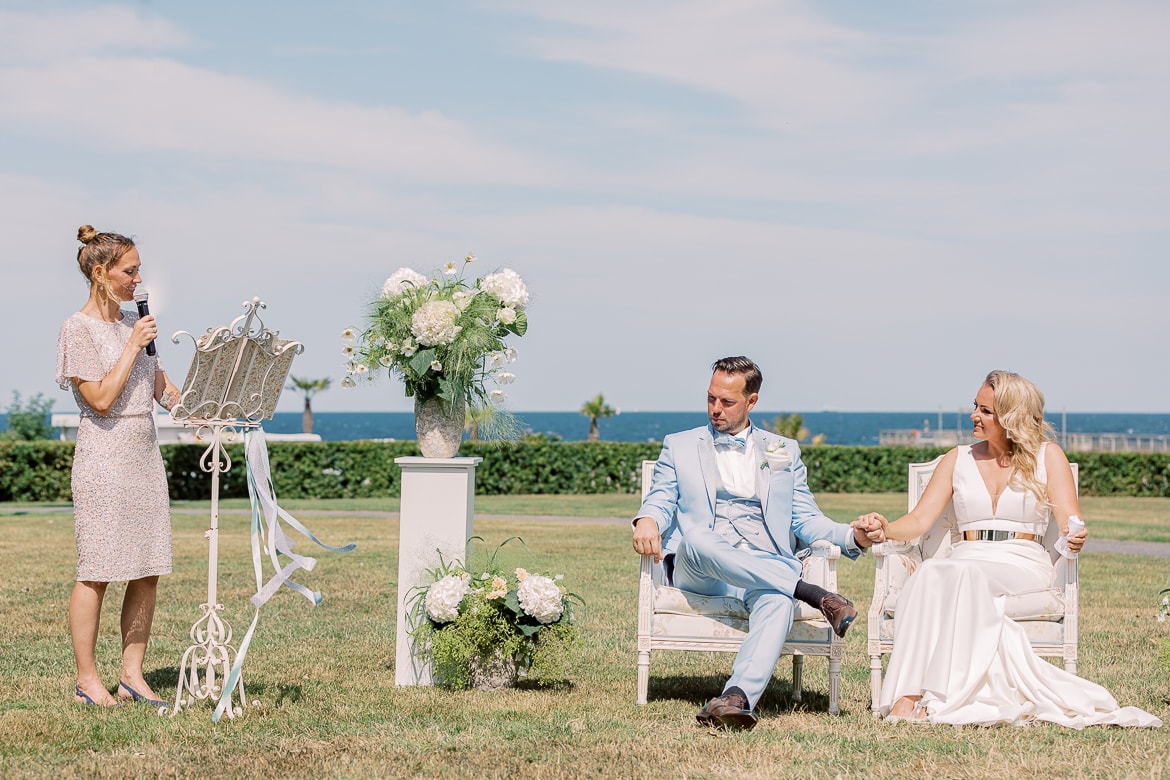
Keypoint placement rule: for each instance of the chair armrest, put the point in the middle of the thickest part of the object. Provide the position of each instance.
(892, 547)
(820, 564)
(649, 577)
(645, 595)
(894, 562)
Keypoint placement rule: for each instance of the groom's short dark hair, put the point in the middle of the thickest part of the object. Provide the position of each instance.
(752, 377)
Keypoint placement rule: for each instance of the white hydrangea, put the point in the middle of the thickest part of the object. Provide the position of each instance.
(541, 598)
(400, 281)
(462, 298)
(444, 597)
(508, 287)
(506, 315)
(434, 323)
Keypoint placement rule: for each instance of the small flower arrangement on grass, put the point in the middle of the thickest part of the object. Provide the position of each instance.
(471, 622)
(443, 336)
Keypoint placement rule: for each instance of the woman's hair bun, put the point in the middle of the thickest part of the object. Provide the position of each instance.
(86, 233)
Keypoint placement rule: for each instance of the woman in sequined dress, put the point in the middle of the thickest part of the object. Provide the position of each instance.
(121, 506)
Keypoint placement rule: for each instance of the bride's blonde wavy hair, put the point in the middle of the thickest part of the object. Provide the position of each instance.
(1019, 407)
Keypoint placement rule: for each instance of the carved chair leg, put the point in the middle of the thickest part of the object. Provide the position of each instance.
(875, 682)
(643, 675)
(834, 685)
(797, 676)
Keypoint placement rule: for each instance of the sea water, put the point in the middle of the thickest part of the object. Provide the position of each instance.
(843, 428)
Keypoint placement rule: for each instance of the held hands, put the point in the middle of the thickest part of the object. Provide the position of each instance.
(647, 540)
(871, 527)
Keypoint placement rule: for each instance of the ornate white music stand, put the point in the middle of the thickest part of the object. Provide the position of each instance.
(233, 384)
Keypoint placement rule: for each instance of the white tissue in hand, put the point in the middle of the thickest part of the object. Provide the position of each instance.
(1075, 526)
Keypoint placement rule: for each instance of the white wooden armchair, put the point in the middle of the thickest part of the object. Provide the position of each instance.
(1049, 616)
(673, 619)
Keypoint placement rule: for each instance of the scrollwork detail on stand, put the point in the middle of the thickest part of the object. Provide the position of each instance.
(209, 657)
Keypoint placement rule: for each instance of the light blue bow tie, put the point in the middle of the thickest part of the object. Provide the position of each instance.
(732, 442)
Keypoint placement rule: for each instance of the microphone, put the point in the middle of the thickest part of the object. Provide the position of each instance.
(140, 297)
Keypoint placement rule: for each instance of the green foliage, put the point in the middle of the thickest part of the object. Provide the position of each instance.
(862, 469)
(790, 425)
(481, 631)
(535, 466)
(28, 421)
(35, 471)
(1123, 473)
(491, 626)
(39, 471)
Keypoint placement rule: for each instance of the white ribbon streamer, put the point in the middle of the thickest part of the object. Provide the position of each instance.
(268, 536)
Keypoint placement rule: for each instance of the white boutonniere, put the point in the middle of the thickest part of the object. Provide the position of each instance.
(776, 457)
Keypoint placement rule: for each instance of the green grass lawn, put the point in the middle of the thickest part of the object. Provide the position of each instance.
(328, 706)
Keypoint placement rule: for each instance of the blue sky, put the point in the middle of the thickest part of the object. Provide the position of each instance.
(878, 205)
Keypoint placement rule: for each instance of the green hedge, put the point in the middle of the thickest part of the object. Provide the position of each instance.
(35, 470)
(39, 471)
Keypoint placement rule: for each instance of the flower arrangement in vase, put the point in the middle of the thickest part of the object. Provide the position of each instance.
(482, 628)
(444, 337)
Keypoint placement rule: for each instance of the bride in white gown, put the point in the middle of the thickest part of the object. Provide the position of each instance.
(958, 658)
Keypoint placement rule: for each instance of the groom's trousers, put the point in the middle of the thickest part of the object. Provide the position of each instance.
(707, 563)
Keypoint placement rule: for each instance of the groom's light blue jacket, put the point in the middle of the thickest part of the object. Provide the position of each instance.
(682, 494)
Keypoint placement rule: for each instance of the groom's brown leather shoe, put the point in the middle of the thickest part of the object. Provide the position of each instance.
(839, 611)
(730, 712)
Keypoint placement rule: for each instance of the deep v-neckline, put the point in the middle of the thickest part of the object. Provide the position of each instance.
(987, 488)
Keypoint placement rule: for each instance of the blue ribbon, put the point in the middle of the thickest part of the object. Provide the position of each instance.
(268, 536)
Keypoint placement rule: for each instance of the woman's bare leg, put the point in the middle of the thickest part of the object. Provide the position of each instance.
(137, 617)
(85, 612)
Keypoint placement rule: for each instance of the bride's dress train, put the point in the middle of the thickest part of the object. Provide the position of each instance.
(955, 646)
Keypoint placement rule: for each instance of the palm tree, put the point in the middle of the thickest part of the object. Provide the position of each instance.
(792, 426)
(308, 388)
(475, 419)
(595, 409)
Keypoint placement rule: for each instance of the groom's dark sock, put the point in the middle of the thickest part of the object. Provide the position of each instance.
(809, 594)
(837, 609)
(737, 691)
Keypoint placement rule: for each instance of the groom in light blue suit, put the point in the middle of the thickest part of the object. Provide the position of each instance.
(726, 501)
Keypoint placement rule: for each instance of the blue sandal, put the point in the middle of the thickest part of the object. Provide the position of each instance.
(136, 696)
(90, 702)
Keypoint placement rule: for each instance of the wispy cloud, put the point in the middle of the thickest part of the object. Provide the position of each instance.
(79, 77)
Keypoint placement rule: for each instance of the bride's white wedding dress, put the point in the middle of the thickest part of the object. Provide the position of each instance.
(955, 646)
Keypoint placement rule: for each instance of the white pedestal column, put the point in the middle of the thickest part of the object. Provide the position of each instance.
(438, 506)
